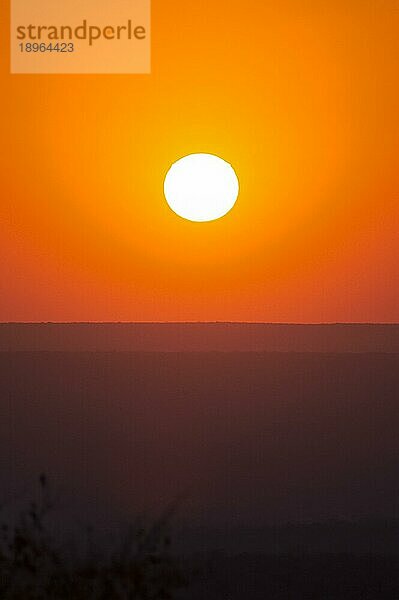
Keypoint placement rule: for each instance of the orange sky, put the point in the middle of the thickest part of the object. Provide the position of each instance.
(300, 96)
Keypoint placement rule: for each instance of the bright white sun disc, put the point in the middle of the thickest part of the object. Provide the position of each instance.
(201, 187)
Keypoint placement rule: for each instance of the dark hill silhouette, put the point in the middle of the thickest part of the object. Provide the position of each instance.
(200, 337)
(248, 438)
(287, 461)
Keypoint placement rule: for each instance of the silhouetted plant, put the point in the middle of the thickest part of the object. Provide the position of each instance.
(34, 567)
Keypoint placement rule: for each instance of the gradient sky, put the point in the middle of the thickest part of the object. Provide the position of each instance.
(300, 96)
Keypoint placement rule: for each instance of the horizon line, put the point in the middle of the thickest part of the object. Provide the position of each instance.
(307, 323)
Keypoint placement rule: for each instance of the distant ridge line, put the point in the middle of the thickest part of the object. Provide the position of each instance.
(200, 337)
(272, 323)
(262, 323)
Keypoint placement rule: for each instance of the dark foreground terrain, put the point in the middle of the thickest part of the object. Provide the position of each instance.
(244, 442)
(293, 577)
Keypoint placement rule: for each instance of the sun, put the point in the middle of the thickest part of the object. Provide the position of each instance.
(201, 187)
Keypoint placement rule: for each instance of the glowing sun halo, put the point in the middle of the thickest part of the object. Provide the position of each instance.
(201, 187)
